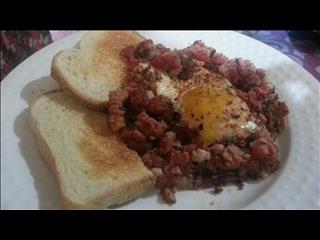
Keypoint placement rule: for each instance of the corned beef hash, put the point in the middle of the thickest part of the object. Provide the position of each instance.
(196, 117)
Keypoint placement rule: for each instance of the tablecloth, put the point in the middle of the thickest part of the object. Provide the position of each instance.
(303, 51)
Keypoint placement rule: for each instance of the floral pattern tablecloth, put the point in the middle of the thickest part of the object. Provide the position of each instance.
(305, 52)
(17, 45)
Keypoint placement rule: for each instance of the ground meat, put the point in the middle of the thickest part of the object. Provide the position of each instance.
(242, 73)
(234, 157)
(217, 148)
(171, 148)
(182, 63)
(276, 113)
(257, 96)
(200, 155)
(264, 90)
(156, 105)
(200, 52)
(197, 182)
(142, 82)
(261, 117)
(185, 183)
(139, 99)
(171, 177)
(168, 142)
(152, 159)
(157, 171)
(143, 49)
(266, 107)
(255, 101)
(231, 163)
(151, 128)
(218, 59)
(168, 195)
(138, 95)
(230, 71)
(115, 109)
(169, 115)
(128, 55)
(186, 132)
(263, 148)
(135, 140)
(198, 55)
(176, 170)
(159, 56)
(188, 65)
(142, 94)
(168, 62)
(250, 75)
(264, 154)
(179, 157)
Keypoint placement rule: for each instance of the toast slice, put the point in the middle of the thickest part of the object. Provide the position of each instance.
(89, 73)
(93, 167)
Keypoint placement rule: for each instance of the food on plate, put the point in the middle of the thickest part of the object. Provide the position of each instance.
(93, 167)
(195, 117)
(90, 72)
(176, 119)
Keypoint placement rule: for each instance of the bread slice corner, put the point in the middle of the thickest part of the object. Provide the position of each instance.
(96, 68)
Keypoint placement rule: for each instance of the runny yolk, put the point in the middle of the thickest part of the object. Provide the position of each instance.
(206, 105)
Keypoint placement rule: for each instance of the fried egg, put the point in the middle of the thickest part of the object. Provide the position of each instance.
(209, 100)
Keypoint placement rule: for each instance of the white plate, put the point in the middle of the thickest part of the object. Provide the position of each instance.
(27, 182)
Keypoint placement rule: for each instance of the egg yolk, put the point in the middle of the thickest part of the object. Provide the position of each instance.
(206, 105)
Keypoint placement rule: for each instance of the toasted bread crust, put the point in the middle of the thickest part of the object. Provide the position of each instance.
(111, 197)
(58, 76)
(106, 49)
(42, 145)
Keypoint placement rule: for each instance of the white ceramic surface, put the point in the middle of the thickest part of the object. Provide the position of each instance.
(27, 182)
